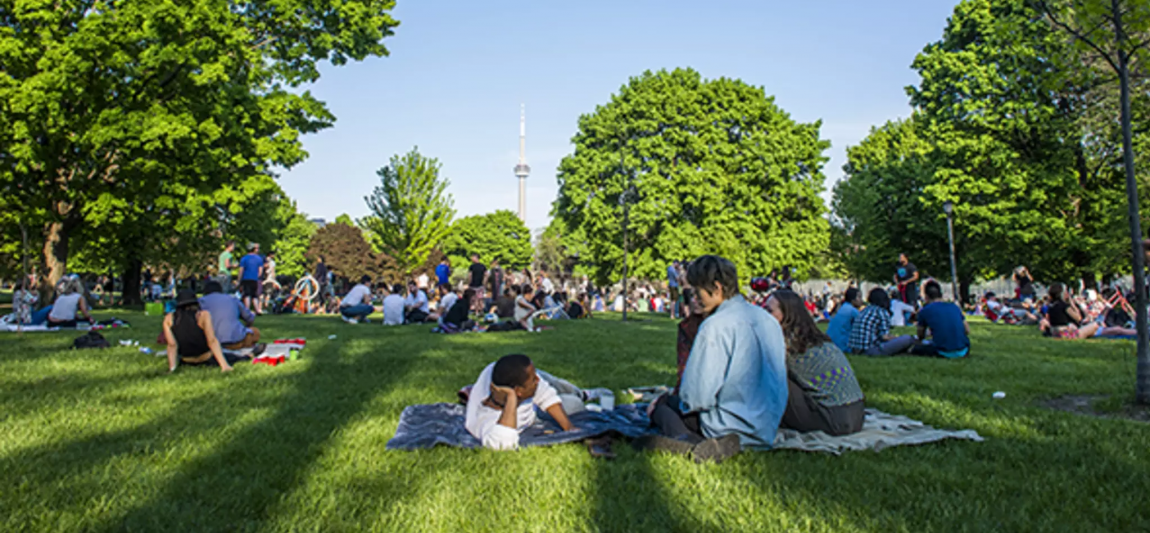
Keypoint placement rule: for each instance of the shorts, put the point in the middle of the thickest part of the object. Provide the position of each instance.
(480, 295)
(250, 288)
(1069, 331)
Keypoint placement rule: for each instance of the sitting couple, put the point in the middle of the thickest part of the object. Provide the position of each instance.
(200, 328)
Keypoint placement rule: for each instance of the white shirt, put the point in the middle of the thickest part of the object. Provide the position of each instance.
(520, 311)
(419, 300)
(64, 309)
(421, 281)
(547, 286)
(483, 421)
(355, 295)
(897, 311)
(269, 269)
(618, 305)
(446, 302)
(393, 310)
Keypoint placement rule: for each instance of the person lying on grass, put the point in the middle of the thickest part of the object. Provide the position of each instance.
(1063, 317)
(502, 402)
(948, 329)
(734, 387)
(823, 393)
(191, 337)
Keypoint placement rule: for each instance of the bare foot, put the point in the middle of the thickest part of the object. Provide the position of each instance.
(228, 368)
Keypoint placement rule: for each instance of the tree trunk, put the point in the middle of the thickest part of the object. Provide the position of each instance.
(55, 258)
(131, 282)
(964, 283)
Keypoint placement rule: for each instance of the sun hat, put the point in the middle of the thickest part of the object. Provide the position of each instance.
(186, 297)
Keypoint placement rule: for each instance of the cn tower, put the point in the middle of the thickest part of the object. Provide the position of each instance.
(522, 170)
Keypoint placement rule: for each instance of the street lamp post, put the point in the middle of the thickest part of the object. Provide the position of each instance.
(626, 205)
(948, 207)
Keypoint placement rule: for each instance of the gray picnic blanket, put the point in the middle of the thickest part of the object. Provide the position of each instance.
(425, 426)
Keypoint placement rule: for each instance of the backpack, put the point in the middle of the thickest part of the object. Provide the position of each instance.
(90, 340)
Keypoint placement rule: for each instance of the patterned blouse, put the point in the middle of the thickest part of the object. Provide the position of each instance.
(824, 372)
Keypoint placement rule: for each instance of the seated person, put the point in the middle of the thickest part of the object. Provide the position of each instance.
(447, 298)
(995, 310)
(734, 388)
(1063, 318)
(24, 298)
(70, 302)
(458, 317)
(688, 330)
(524, 309)
(191, 337)
(839, 329)
(231, 320)
(824, 394)
(870, 334)
(505, 304)
(393, 306)
(577, 309)
(949, 331)
(901, 313)
(356, 304)
(416, 308)
(502, 402)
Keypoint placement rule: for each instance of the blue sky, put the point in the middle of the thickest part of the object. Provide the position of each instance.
(458, 72)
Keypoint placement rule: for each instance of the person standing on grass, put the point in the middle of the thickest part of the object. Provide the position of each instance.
(948, 329)
(477, 275)
(191, 336)
(823, 392)
(839, 329)
(734, 388)
(906, 277)
(251, 268)
(226, 263)
(443, 271)
(870, 334)
(356, 304)
(503, 400)
(495, 280)
(322, 281)
(673, 287)
(232, 322)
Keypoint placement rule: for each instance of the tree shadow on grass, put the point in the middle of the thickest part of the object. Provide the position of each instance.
(239, 484)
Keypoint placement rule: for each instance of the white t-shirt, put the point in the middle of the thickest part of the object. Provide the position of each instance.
(898, 310)
(270, 269)
(393, 310)
(65, 306)
(419, 300)
(520, 311)
(355, 295)
(617, 306)
(421, 281)
(446, 302)
(483, 421)
(547, 286)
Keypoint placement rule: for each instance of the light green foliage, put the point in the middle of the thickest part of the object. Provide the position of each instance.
(292, 241)
(110, 102)
(411, 209)
(345, 219)
(717, 168)
(499, 235)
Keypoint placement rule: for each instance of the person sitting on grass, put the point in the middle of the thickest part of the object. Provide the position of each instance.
(356, 304)
(415, 307)
(1063, 318)
(949, 331)
(393, 306)
(524, 309)
(191, 336)
(870, 334)
(839, 329)
(823, 392)
(578, 307)
(688, 330)
(734, 388)
(447, 298)
(457, 318)
(995, 310)
(503, 400)
(70, 302)
(901, 314)
(232, 322)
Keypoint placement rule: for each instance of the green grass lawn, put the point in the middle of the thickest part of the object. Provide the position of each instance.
(109, 441)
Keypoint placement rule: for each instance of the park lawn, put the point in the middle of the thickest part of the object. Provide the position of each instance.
(108, 440)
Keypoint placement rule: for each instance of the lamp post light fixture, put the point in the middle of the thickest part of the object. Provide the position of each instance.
(948, 208)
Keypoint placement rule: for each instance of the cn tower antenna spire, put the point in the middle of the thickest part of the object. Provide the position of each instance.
(522, 170)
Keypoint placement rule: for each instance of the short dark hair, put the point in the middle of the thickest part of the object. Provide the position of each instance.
(712, 271)
(468, 294)
(1055, 291)
(511, 371)
(365, 279)
(851, 295)
(397, 288)
(212, 286)
(933, 290)
(878, 298)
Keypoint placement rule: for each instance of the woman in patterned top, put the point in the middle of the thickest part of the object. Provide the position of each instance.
(823, 393)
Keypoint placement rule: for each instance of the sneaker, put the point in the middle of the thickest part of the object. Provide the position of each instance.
(662, 444)
(718, 449)
(349, 320)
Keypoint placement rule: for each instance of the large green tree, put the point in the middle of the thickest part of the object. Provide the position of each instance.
(292, 241)
(348, 254)
(709, 166)
(411, 209)
(135, 99)
(499, 235)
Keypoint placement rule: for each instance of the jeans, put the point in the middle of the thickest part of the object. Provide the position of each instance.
(894, 346)
(358, 312)
(41, 316)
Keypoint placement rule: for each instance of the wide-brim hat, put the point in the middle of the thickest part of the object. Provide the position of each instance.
(186, 297)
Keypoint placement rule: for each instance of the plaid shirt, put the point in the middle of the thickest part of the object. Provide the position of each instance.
(872, 324)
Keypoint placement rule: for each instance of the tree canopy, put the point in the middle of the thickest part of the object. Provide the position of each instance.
(710, 166)
(499, 235)
(348, 254)
(411, 209)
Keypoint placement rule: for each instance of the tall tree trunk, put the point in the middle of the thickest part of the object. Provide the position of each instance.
(131, 281)
(55, 258)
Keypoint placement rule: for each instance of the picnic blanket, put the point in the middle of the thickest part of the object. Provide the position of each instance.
(425, 426)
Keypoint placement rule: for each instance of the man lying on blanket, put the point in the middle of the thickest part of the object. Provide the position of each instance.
(502, 402)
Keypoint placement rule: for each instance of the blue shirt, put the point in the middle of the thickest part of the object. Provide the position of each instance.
(251, 264)
(442, 272)
(226, 313)
(839, 328)
(672, 276)
(736, 375)
(945, 321)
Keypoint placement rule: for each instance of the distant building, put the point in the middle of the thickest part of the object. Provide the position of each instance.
(319, 222)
